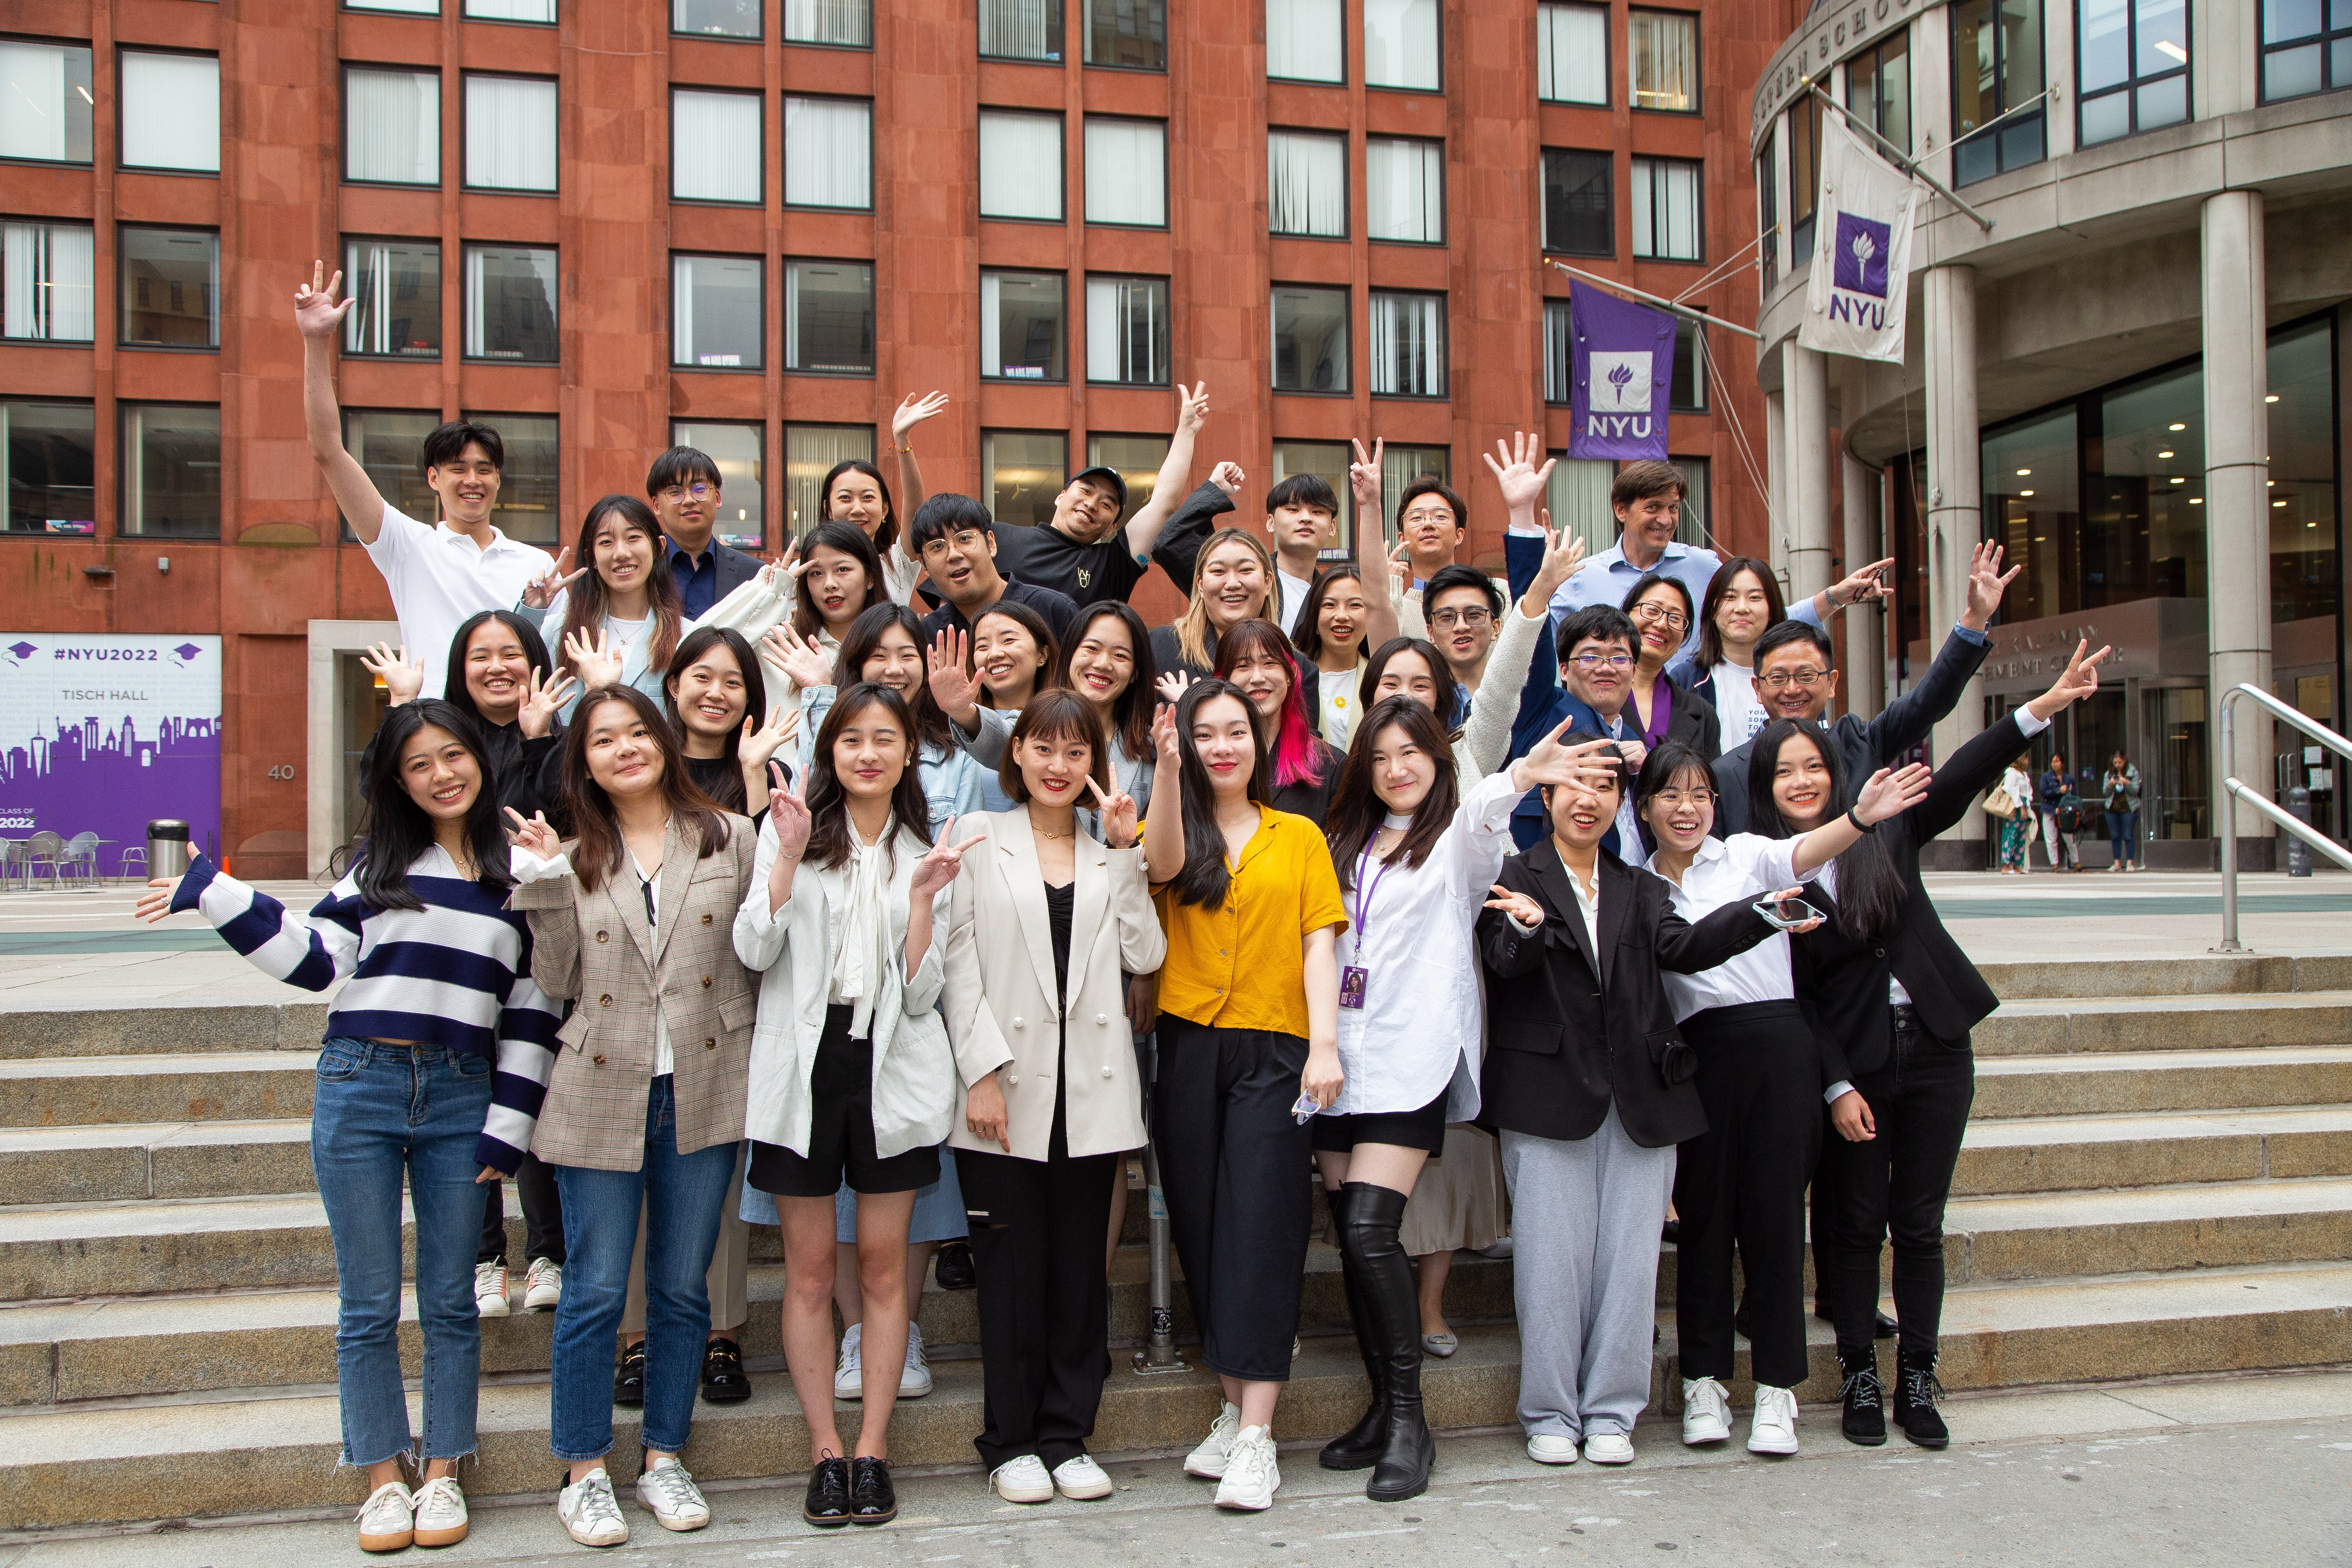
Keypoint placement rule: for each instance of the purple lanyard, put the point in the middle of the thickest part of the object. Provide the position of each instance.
(1364, 893)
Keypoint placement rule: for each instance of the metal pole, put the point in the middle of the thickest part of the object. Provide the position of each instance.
(1685, 312)
(2229, 833)
(1159, 1351)
(1902, 159)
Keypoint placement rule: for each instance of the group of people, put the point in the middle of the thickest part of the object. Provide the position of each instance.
(2063, 811)
(895, 894)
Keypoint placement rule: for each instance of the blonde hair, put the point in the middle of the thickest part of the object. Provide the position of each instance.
(1193, 627)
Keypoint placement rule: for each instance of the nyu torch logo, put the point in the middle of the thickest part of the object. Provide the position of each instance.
(1858, 266)
(1618, 393)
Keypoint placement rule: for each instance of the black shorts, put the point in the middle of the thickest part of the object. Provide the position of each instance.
(1424, 1128)
(841, 1132)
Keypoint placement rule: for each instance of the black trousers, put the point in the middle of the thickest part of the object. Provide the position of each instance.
(1233, 1168)
(1742, 1183)
(542, 1215)
(1895, 1185)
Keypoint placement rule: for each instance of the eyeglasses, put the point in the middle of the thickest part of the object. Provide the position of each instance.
(1804, 675)
(1438, 515)
(1674, 620)
(1466, 618)
(1589, 662)
(1676, 799)
(677, 493)
(964, 539)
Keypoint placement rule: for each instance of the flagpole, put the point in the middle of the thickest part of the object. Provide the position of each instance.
(1896, 156)
(1699, 317)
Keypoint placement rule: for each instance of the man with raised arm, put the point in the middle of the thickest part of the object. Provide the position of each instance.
(1081, 552)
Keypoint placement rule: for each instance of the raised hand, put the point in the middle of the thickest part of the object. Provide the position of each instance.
(1228, 478)
(1164, 736)
(540, 592)
(403, 676)
(1563, 553)
(1171, 686)
(156, 902)
(1191, 407)
(1551, 762)
(2076, 681)
(1522, 909)
(1987, 583)
(913, 412)
(1119, 815)
(1861, 587)
(1401, 567)
(789, 812)
(955, 687)
(542, 699)
(802, 658)
(760, 742)
(1364, 480)
(938, 869)
(535, 836)
(591, 654)
(1521, 482)
(317, 312)
(1889, 794)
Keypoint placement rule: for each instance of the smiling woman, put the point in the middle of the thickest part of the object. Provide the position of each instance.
(1234, 582)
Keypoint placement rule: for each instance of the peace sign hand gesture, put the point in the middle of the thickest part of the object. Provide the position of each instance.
(2079, 679)
(1119, 815)
(317, 312)
(535, 837)
(1163, 737)
(1192, 406)
(540, 592)
(938, 869)
(542, 699)
(402, 676)
(1364, 478)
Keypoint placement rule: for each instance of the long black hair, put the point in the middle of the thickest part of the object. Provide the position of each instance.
(1206, 879)
(1449, 690)
(1308, 637)
(1049, 647)
(534, 649)
(1357, 812)
(850, 539)
(828, 802)
(598, 852)
(584, 603)
(729, 791)
(886, 533)
(931, 726)
(397, 829)
(1711, 640)
(1870, 891)
(1131, 710)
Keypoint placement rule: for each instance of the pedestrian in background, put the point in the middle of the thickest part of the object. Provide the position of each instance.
(2120, 790)
(2016, 786)
(2050, 802)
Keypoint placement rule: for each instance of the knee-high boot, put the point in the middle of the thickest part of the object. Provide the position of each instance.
(1367, 1238)
(1360, 1447)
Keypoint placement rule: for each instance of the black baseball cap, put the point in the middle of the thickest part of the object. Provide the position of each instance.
(1110, 476)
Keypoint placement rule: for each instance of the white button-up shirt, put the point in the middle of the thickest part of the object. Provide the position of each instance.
(439, 577)
(1742, 867)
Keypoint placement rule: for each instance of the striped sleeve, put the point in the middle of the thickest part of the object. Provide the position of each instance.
(311, 952)
(527, 1023)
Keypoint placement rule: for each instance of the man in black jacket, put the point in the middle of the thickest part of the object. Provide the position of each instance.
(685, 489)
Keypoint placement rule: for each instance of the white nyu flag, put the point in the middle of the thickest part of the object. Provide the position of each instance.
(1861, 251)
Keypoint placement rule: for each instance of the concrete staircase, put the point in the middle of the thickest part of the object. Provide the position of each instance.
(2158, 1180)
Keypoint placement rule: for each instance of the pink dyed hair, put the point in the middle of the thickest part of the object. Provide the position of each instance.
(1292, 747)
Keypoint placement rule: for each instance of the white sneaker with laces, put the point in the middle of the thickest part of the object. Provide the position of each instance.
(667, 1491)
(490, 1290)
(915, 1381)
(1609, 1449)
(388, 1519)
(1081, 1479)
(544, 1286)
(1022, 1480)
(849, 1372)
(440, 1512)
(1208, 1460)
(1774, 1430)
(1552, 1448)
(1251, 1476)
(590, 1511)
(1706, 1412)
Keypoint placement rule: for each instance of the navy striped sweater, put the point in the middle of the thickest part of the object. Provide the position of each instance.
(455, 973)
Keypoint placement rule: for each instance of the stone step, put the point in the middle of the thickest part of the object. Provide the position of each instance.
(2051, 1235)
(217, 1086)
(2142, 1021)
(122, 1161)
(2204, 975)
(2058, 1154)
(165, 1028)
(2252, 1077)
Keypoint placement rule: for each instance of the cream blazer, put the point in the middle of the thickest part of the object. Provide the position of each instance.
(1001, 1005)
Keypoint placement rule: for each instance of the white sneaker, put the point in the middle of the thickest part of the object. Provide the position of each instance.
(490, 1290)
(440, 1512)
(915, 1381)
(1081, 1479)
(1552, 1448)
(1775, 1427)
(1706, 1412)
(1208, 1460)
(591, 1512)
(1022, 1481)
(544, 1286)
(849, 1372)
(1609, 1449)
(388, 1522)
(1251, 1478)
(667, 1491)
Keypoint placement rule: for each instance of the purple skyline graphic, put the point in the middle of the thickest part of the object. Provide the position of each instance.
(85, 778)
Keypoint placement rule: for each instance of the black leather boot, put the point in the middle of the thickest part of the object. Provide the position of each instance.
(1368, 1237)
(1358, 1448)
(1864, 1419)
(1916, 1393)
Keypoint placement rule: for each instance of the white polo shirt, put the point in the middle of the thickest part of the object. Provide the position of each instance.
(1728, 870)
(440, 577)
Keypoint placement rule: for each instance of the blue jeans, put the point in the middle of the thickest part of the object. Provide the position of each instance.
(682, 1195)
(2122, 834)
(381, 1112)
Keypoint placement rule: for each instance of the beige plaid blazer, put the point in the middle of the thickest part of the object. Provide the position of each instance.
(599, 950)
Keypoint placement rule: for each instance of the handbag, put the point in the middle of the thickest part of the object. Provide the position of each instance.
(1998, 803)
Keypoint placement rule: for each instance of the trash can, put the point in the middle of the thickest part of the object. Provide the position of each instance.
(167, 848)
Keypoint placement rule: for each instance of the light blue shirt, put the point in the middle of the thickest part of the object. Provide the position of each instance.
(1608, 577)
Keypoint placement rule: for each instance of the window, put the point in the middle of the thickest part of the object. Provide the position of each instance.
(528, 484)
(1130, 33)
(409, 8)
(1401, 43)
(1405, 190)
(170, 471)
(1804, 176)
(715, 311)
(171, 111)
(510, 303)
(1577, 495)
(715, 18)
(540, 11)
(847, 23)
(1135, 458)
(392, 126)
(1557, 347)
(829, 317)
(396, 289)
(1578, 216)
(1767, 211)
(1996, 69)
(1692, 529)
(171, 287)
(1305, 40)
(50, 453)
(2301, 53)
(1024, 471)
(829, 153)
(1307, 183)
(1686, 387)
(1020, 326)
(1665, 210)
(2132, 65)
(1019, 165)
(2300, 373)
(810, 453)
(510, 133)
(1021, 29)
(1408, 344)
(1310, 340)
(714, 146)
(741, 452)
(385, 442)
(1663, 57)
(1126, 330)
(48, 281)
(1328, 458)
(1400, 466)
(1126, 172)
(1878, 88)
(1572, 54)
(44, 103)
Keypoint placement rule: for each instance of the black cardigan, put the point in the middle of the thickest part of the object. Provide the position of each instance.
(1693, 720)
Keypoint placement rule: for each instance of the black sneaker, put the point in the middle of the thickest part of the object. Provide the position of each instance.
(1916, 1393)
(629, 1377)
(954, 1268)
(827, 1505)
(872, 1499)
(723, 1382)
(1864, 1420)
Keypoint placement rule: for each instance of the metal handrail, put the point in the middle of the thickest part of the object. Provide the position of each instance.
(2234, 790)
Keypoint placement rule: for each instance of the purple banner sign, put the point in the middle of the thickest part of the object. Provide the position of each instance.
(1620, 358)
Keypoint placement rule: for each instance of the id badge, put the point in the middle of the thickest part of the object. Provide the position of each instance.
(1351, 987)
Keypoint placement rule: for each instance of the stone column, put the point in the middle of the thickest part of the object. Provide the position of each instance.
(1955, 489)
(1865, 628)
(1805, 401)
(2236, 510)
(1776, 481)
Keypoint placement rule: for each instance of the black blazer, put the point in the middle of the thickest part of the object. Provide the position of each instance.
(1693, 720)
(1568, 1034)
(1843, 980)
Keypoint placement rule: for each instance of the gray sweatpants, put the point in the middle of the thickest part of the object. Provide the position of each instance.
(1585, 1215)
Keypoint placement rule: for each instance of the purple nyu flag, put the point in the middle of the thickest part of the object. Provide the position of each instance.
(1621, 356)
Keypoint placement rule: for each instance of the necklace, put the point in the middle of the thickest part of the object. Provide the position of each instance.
(1042, 834)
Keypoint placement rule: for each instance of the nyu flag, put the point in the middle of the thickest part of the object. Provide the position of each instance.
(1861, 251)
(1621, 357)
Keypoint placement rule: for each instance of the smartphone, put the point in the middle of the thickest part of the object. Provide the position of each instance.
(1786, 913)
(1306, 1110)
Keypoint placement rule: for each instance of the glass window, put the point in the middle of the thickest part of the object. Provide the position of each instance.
(1572, 53)
(1307, 183)
(1024, 471)
(1020, 326)
(1878, 88)
(1126, 330)
(715, 311)
(1408, 351)
(170, 287)
(829, 153)
(2303, 473)
(715, 18)
(2143, 528)
(395, 286)
(510, 133)
(527, 484)
(1804, 176)
(1692, 529)
(50, 452)
(1021, 29)
(1130, 33)
(408, 7)
(1578, 496)
(1305, 40)
(1663, 57)
(1578, 216)
(1557, 346)
(171, 111)
(849, 22)
(1401, 43)
(170, 471)
(1310, 340)
(541, 11)
(1137, 461)
(810, 453)
(1400, 466)
(1126, 172)
(1687, 388)
(829, 317)
(1767, 211)
(45, 102)
(1404, 189)
(1665, 210)
(714, 146)
(2132, 65)
(1996, 71)
(1019, 165)
(1328, 458)
(48, 282)
(2302, 52)
(386, 443)
(741, 452)
(392, 126)
(2033, 508)
(510, 303)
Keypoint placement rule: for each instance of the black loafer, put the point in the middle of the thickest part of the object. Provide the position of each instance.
(629, 1377)
(723, 1382)
(872, 1499)
(827, 1505)
(1671, 1233)
(954, 1268)
(1881, 1326)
